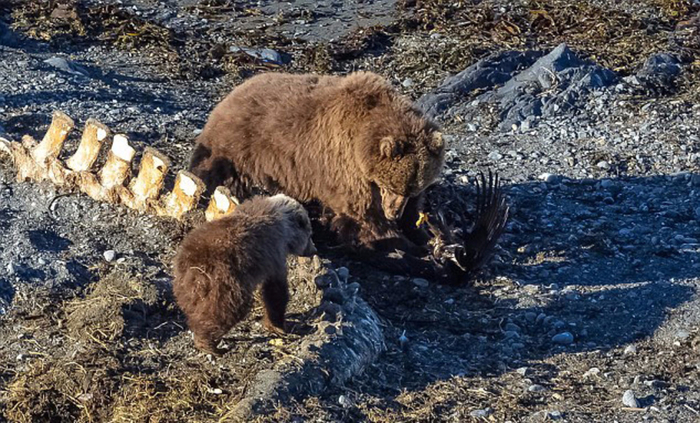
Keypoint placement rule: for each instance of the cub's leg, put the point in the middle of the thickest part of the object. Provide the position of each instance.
(215, 318)
(275, 295)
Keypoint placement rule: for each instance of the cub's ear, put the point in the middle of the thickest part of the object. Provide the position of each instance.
(436, 142)
(388, 148)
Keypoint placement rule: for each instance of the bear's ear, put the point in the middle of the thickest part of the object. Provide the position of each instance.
(436, 142)
(388, 148)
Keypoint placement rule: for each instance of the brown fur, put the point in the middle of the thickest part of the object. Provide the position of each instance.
(352, 143)
(220, 264)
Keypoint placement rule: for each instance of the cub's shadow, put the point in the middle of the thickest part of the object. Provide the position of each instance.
(603, 260)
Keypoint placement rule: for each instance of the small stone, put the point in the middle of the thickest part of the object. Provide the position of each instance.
(631, 349)
(629, 400)
(334, 295)
(593, 371)
(522, 371)
(536, 388)
(420, 282)
(512, 327)
(435, 36)
(330, 311)
(408, 82)
(606, 183)
(343, 273)
(531, 316)
(216, 391)
(511, 334)
(343, 400)
(603, 165)
(495, 155)
(481, 413)
(66, 66)
(682, 334)
(564, 338)
(541, 318)
(549, 178)
(556, 415)
(325, 280)
(353, 288)
(109, 255)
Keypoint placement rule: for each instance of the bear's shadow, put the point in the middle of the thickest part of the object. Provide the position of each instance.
(603, 260)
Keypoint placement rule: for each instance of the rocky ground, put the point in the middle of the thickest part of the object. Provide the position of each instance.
(589, 311)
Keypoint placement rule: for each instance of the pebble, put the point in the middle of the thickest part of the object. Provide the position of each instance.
(682, 334)
(556, 415)
(603, 165)
(481, 413)
(510, 334)
(593, 371)
(549, 178)
(564, 338)
(408, 82)
(353, 288)
(522, 371)
(334, 295)
(420, 282)
(631, 349)
(109, 255)
(66, 66)
(343, 273)
(536, 388)
(512, 327)
(495, 155)
(629, 400)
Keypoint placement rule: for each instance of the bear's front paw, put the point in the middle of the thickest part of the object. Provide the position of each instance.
(279, 329)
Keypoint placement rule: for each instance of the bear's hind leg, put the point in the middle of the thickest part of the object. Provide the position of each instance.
(275, 294)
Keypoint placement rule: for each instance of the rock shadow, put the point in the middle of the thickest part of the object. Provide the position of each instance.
(585, 265)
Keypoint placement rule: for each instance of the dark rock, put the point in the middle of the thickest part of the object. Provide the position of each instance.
(659, 71)
(334, 295)
(564, 338)
(486, 73)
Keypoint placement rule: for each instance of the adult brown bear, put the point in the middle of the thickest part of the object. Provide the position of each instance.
(352, 143)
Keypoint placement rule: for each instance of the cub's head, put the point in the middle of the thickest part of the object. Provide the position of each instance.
(399, 149)
(297, 225)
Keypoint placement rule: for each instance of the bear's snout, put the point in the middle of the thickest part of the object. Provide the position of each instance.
(310, 249)
(393, 204)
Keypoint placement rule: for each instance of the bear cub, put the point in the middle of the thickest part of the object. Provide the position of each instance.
(220, 264)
